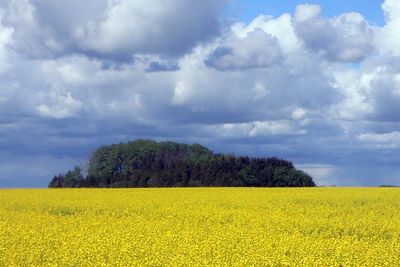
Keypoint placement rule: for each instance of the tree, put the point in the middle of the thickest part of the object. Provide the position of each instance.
(146, 163)
(72, 178)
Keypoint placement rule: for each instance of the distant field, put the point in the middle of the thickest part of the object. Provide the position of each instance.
(200, 226)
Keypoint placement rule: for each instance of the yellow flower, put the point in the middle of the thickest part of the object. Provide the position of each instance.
(200, 227)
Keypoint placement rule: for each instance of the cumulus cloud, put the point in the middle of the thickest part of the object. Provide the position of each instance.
(114, 29)
(280, 28)
(152, 29)
(388, 39)
(391, 9)
(373, 91)
(257, 50)
(346, 38)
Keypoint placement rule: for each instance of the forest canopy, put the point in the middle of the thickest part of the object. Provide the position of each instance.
(147, 163)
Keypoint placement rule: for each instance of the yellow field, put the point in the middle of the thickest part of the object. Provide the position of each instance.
(197, 227)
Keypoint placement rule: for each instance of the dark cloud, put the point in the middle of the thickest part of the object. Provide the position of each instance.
(111, 29)
(156, 66)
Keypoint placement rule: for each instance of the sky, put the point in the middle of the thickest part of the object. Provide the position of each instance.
(371, 10)
(316, 82)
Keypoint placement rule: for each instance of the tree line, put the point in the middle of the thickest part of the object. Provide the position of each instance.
(147, 163)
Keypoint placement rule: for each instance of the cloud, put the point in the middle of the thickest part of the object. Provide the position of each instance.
(346, 38)
(259, 129)
(5, 40)
(324, 175)
(257, 50)
(284, 84)
(391, 10)
(388, 39)
(373, 91)
(281, 28)
(381, 140)
(156, 66)
(61, 105)
(111, 29)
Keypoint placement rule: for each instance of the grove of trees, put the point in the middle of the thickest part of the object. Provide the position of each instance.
(147, 163)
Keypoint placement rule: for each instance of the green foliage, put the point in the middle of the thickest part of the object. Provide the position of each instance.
(72, 178)
(146, 163)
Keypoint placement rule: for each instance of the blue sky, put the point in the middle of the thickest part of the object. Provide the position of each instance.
(316, 82)
(246, 10)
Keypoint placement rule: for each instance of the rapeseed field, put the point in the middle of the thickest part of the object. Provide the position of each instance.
(200, 227)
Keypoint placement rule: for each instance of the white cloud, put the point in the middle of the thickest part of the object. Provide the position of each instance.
(280, 28)
(158, 27)
(28, 36)
(324, 175)
(257, 49)
(259, 91)
(306, 12)
(5, 40)
(114, 29)
(181, 94)
(391, 9)
(273, 128)
(299, 113)
(381, 140)
(62, 105)
(371, 92)
(257, 129)
(346, 38)
(388, 37)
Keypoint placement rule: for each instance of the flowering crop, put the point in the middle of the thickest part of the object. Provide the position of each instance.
(200, 226)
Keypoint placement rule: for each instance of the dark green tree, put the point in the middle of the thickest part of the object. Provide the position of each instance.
(146, 163)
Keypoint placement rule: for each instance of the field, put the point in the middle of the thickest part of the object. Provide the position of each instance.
(200, 226)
